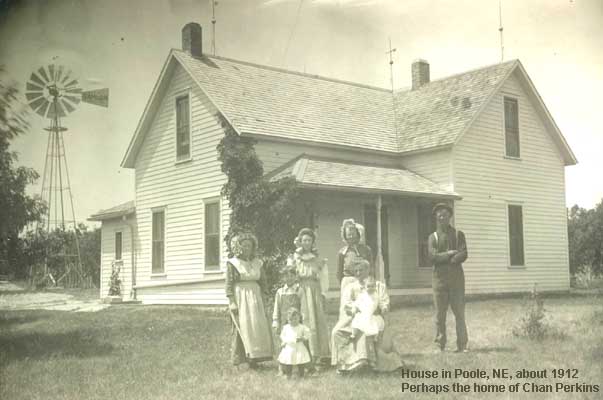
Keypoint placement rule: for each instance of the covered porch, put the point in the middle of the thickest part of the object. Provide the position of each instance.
(336, 190)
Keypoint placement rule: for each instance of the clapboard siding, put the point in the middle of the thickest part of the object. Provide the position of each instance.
(273, 154)
(489, 181)
(108, 230)
(433, 165)
(181, 189)
(196, 293)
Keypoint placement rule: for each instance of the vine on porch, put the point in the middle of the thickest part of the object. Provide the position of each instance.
(273, 210)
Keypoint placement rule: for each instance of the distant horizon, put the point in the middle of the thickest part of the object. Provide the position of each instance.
(123, 47)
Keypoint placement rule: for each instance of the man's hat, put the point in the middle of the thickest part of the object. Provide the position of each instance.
(440, 206)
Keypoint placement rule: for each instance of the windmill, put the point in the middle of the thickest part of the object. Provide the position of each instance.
(53, 93)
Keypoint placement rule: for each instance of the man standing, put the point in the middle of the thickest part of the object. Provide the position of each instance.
(447, 252)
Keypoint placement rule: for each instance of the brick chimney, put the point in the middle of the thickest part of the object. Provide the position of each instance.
(191, 39)
(420, 73)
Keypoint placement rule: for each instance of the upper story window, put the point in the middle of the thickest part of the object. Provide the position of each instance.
(516, 249)
(158, 240)
(183, 132)
(511, 127)
(212, 236)
(118, 243)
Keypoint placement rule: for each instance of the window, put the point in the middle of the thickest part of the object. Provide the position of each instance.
(117, 246)
(511, 127)
(516, 235)
(212, 236)
(183, 148)
(425, 226)
(158, 242)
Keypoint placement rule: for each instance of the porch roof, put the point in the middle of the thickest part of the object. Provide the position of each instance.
(120, 210)
(312, 172)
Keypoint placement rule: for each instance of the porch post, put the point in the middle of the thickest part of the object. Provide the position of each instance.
(379, 260)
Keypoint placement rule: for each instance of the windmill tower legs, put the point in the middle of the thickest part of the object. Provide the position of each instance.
(56, 191)
(53, 93)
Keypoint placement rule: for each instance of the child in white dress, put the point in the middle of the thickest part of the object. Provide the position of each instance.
(294, 347)
(366, 304)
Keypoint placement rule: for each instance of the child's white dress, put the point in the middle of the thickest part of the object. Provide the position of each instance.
(294, 352)
(365, 319)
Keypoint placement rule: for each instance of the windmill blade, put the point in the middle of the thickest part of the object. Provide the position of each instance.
(30, 96)
(99, 97)
(36, 105)
(42, 73)
(71, 103)
(66, 77)
(74, 90)
(37, 80)
(60, 73)
(72, 99)
(42, 111)
(51, 70)
(68, 107)
(56, 110)
(72, 83)
(34, 88)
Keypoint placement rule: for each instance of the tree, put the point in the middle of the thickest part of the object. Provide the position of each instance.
(17, 209)
(273, 211)
(585, 233)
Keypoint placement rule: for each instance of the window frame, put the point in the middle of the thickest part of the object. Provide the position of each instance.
(514, 98)
(121, 245)
(523, 237)
(184, 94)
(214, 268)
(154, 211)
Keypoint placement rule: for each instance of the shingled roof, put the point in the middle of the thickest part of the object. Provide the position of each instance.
(120, 210)
(438, 112)
(329, 174)
(271, 102)
(274, 102)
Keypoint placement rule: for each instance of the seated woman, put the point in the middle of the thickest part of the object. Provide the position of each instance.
(353, 350)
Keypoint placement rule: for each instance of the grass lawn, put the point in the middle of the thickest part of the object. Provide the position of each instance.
(182, 352)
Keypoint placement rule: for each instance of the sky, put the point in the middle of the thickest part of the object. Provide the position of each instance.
(122, 45)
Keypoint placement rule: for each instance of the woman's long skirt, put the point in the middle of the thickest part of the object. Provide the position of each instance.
(351, 355)
(253, 339)
(315, 318)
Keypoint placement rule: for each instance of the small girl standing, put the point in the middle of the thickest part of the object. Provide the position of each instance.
(294, 347)
(287, 296)
(312, 273)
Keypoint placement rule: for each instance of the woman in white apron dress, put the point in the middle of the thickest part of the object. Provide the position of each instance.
(245, 283)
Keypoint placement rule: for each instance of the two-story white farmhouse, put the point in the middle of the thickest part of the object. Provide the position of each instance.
(482, 140)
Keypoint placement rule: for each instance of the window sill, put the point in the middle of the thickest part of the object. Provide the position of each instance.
(158, 275)
(516, 267)
(512, 158)
(183, 161)
(213, 272)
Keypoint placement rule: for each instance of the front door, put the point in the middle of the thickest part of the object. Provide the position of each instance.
(370, 225)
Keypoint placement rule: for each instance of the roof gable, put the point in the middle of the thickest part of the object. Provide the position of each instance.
(435, 114)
